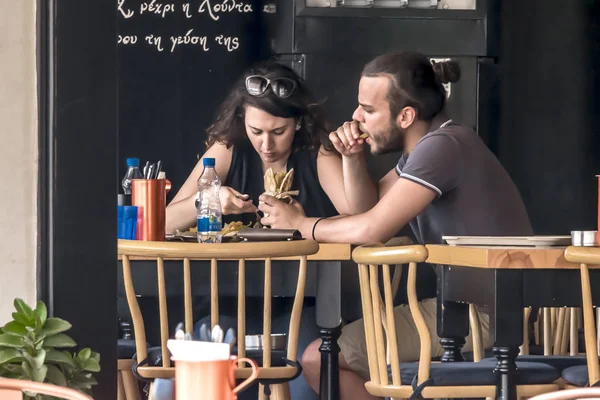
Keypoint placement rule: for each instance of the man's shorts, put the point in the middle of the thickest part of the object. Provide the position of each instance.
(354, 348)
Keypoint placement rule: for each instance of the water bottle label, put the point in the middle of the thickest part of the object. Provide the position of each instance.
(209, 224)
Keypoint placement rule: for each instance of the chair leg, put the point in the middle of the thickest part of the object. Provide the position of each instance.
(281, 392)
(120, 387)
(132, 390)
(261, 392)
(151, 392)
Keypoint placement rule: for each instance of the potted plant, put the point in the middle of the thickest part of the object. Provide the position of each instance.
(32, 347)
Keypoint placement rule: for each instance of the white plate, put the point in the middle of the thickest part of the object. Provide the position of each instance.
(524, 241)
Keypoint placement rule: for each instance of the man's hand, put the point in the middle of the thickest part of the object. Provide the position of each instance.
(346, 139)
(281, 214)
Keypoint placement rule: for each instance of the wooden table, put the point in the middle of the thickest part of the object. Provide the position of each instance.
(324, 282)
(505, 280)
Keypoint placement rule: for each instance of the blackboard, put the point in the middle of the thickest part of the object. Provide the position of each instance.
(177, 59)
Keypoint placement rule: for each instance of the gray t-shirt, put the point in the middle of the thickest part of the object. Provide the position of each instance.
(475, 194)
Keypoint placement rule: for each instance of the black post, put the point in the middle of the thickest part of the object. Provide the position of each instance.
(77, 71)
(330, 367)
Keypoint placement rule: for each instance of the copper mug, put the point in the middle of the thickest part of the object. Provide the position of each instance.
(150, 197)
(210, 380)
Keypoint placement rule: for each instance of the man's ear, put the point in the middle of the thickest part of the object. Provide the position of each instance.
(406, 117)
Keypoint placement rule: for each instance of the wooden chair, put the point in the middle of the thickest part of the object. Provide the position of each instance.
(558, 360)
(570, 394)
(585, 375)
(294, 250)
(389, 377)
(127, 385)
(12, 389)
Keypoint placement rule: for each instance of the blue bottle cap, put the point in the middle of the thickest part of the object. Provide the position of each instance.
(208, 162)
(133, 162)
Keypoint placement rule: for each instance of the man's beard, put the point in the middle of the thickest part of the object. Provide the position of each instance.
(394, 140)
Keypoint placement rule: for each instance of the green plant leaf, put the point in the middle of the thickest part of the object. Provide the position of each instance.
(39, 375)
(8, 354)
(7, 340)
(82, 381)
(23, 309)
(27, 370)
(21, 318)
(54, 326)
(59, 357)
(15, 328)
(95, 356)
(36, 361)
(59, 340)
(56, 376)
(39, 344)
(84, 355)
(37, 326)
(92, 365)
(41, 311)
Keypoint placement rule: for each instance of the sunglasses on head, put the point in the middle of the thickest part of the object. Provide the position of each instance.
(283, 87)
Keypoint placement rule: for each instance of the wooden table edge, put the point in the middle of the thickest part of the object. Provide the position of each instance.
(501, 257)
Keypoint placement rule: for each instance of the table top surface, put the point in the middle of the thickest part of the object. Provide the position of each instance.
(496, 257)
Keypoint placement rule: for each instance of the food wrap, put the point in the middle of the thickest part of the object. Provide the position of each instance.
(278, 185)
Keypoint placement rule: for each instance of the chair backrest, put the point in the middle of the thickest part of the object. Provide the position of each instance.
(555, 327)
(241, 252)
(12, 389)
(580, 393)
(587, 256)
(378, 319)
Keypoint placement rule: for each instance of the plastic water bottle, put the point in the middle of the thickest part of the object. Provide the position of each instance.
(210, 220)
(133, 172)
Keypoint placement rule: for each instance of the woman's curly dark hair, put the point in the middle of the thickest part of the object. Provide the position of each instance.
(229, 127)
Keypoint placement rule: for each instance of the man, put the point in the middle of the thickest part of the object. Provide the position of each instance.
(446, 183)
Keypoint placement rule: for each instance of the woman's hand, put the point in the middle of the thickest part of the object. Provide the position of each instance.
(234, 202)
(281, 214)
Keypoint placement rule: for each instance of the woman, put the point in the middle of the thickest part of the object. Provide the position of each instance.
(269, 120)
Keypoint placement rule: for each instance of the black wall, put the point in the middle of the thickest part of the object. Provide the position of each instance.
(550, 82)
(168, 98)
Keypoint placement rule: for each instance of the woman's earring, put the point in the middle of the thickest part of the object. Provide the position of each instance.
(298, 126)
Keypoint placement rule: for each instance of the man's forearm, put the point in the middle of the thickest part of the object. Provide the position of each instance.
(352, 229)
(359, 188)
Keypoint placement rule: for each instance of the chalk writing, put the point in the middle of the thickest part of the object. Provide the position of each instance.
(214, 9)
(224, 6)
(155, 41)
(157, 8)
(125, 12)
(186, 10)
(189, 39)
(231, 43)
(127, 39)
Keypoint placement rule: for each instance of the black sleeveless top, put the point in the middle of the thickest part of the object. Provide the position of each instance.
(246, 176)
